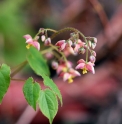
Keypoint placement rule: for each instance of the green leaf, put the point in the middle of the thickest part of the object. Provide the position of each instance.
(31, 92)
(37, 62)
(48, 104)
(49, 82)
(4, 80)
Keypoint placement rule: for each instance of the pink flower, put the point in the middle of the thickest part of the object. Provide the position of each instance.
(61, 44)
(70, 74)
(66, 71)
(85, 66)
(32, 42)
(63, 67)
(78, 45)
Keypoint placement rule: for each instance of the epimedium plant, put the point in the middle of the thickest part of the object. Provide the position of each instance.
(47, 99)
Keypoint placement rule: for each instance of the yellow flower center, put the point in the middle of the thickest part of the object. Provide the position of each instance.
(64, 69)
(70, 80)
(84, 70)
(28, 46)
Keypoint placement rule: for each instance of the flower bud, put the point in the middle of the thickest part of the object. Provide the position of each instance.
(49, 55)
(94, 39)
(92, 59)
(94, 53)
(43, 38)
(81, 50)
(93, 45)
(54, 64)
(47, 42)
(41, 30)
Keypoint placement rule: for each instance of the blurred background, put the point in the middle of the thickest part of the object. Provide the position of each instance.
(91, 99)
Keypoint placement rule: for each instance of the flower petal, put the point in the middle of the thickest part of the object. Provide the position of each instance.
(81, 61)
(90, 67)
(66, 76)
(35, 44)
(74, 72)
(80, 66)
(27, 36)
(59, 43)
(43, 38)
(63, 46)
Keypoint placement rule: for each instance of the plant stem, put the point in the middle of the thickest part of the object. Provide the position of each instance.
(47, 29)
(54, 47)
(17, 79)
(46, 50)
(16, 69)
(52, 30)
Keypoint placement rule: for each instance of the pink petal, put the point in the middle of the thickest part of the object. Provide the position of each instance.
(80, 66)
(66, 76)
(27, 37)
(35, 44)
(63, 46)
(29, 41)
(74, 72)
(90, 67)
(43, 38)
(80, 43)
(59, 69)
(76, 48)
(69, 64)
(81, 61)
(59, 43)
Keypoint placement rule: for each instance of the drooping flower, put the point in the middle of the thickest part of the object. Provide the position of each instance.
(85, 66)
(61, 44)
(32, 42)
(66, 71)
(70, 74)
(63, 67)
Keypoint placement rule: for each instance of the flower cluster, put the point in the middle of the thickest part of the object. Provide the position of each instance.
(74, 45)
(65, 70)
